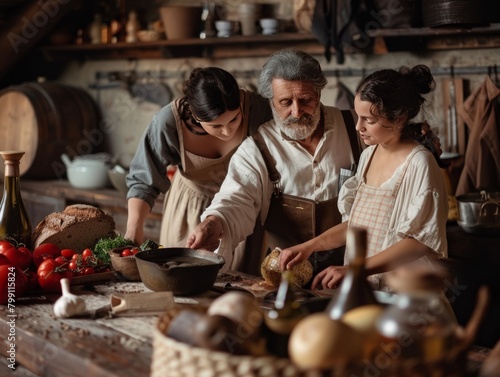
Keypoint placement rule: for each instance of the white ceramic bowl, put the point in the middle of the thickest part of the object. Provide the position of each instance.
(224, 28)
(88, 176)
(269, 25)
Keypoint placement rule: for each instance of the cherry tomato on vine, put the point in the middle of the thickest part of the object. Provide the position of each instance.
(87, 253)
(88, 271)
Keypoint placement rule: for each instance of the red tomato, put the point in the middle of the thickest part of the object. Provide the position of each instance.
(67, 253)
(44, 251)
(126, 253)
(135, 251)
(4, 245)
(50, 272)
(76, 257)
(4, 260)
(32, 281)
(88, 257)
(87, 253)
(27, 254)
(13, 283)
(73, 265)
(20, 257)
(88, 271)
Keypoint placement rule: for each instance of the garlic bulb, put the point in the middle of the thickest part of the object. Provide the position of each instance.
(68, 305)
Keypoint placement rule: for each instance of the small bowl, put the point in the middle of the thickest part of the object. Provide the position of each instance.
(269, 25)
(148, 35)
(225, 28)
(196, 276)
(126, 266)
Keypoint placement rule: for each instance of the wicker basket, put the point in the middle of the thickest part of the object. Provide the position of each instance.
(172, 358)
(465, 13)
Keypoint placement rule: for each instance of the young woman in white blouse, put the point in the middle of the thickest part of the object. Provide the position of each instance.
(398, 193)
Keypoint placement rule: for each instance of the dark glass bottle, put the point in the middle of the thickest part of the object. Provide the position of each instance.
(354, 290)
(281, 320)
(208, 20)
(15, 225)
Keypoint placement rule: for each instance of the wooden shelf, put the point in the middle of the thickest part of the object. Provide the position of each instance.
(237, 46)
(435, 31)
(437, 38)
(410, 39)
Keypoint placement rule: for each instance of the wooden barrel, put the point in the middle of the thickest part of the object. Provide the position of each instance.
(46, 120)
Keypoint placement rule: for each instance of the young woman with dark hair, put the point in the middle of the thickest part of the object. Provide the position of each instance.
(398, 193)
(198, 133)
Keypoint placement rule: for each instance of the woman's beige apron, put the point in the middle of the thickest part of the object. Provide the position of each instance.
(193, 188)
(372, 210)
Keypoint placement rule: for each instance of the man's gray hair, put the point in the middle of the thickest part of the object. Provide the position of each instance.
(290, 65)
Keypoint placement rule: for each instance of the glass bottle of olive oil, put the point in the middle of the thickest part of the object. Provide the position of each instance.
(15, 225)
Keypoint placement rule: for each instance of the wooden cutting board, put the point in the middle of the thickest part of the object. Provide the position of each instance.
(140, 304)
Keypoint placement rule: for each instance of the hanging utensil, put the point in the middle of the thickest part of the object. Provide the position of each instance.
(452, 120)
(454, 132)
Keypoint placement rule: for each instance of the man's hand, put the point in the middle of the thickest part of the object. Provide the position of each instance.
(206, 235)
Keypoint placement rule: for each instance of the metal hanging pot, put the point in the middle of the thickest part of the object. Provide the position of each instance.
(479, 213)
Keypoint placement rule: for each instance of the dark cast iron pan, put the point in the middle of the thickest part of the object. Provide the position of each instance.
(198, 276)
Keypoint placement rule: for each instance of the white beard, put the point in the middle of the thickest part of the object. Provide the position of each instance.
(298, 128)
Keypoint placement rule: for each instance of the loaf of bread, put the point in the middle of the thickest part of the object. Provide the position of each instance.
(78, 227)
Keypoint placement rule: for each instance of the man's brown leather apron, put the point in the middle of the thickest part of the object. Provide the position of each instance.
(292, 220)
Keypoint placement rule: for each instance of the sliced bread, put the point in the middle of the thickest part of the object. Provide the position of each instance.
(78, 227)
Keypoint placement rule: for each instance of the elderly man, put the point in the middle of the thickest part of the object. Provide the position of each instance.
(288, 172)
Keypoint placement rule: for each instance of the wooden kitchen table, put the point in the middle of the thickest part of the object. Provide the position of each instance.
(84, 346)
(93, 347)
